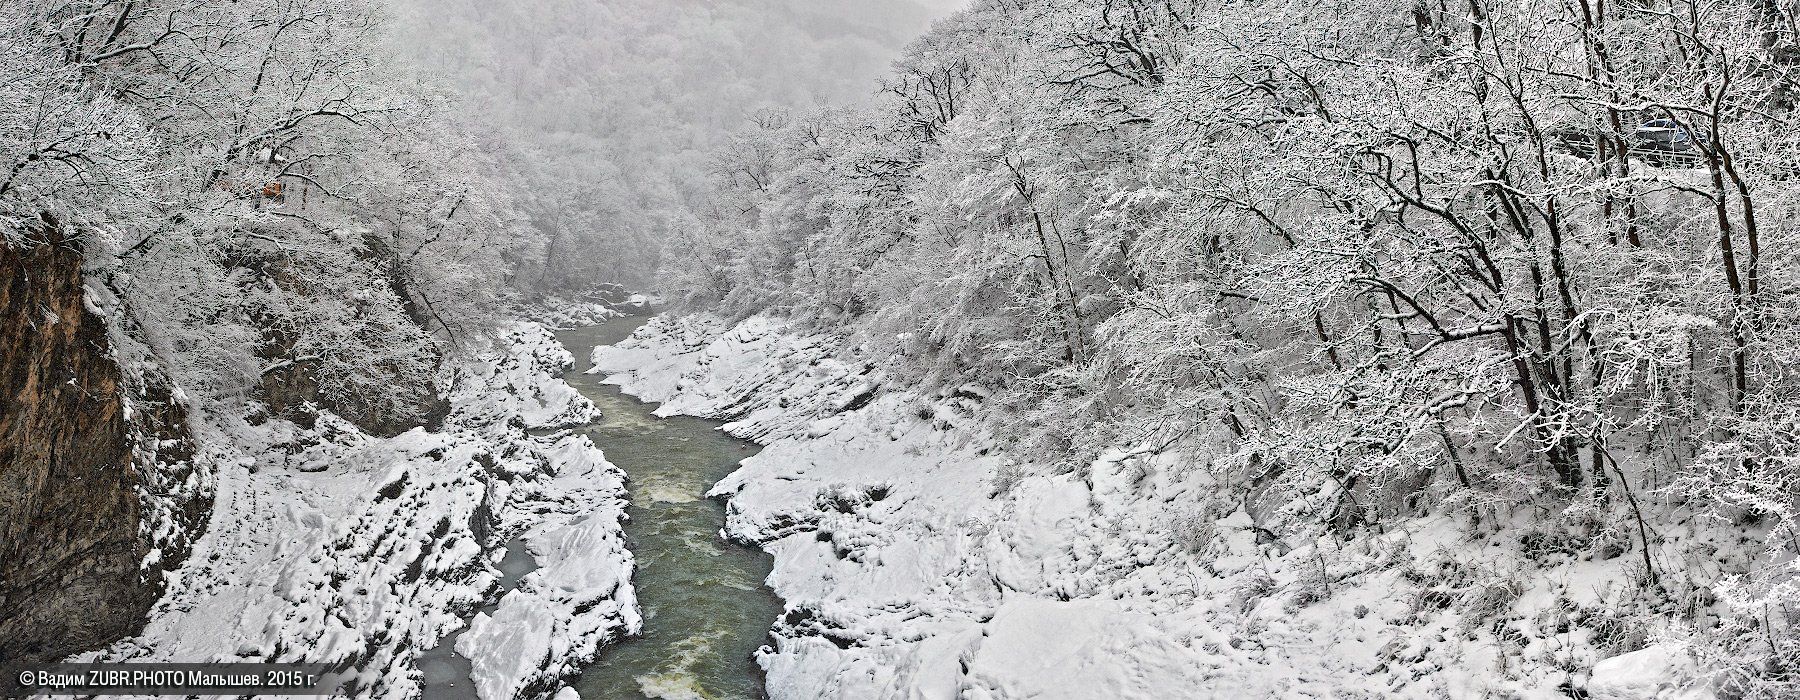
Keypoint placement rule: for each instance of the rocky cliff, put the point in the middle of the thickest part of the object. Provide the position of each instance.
(73, 538)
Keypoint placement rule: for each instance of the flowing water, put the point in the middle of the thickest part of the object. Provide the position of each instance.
(705, 607)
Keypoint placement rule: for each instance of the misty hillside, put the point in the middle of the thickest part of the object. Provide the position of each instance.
(615, 108)
(903, 349)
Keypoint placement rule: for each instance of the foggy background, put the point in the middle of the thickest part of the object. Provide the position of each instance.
(609, 108)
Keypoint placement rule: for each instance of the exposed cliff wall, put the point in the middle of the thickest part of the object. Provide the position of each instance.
(73, 539)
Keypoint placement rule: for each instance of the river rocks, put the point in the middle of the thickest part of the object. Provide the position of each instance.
(974, 575)
(354, 548)
(560, 615)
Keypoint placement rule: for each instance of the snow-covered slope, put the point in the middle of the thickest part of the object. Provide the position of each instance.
(331, 545)
(917, 563)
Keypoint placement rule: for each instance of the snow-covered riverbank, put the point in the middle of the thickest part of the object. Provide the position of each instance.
(331, 545)
(917, 563)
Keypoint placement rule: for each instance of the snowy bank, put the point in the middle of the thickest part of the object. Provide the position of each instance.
(607, 301)
(917, 562)
(331, 545)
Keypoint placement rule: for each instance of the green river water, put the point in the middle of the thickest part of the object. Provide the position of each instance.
(705, 607)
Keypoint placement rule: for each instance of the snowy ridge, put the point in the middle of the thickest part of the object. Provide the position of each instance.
(916, 563)
(331, 545)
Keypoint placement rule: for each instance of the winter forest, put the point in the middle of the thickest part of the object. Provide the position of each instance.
(905, 348)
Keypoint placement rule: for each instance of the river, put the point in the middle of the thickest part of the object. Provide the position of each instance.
(706, 608)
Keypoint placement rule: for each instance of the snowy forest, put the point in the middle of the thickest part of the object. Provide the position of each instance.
(1056, 348)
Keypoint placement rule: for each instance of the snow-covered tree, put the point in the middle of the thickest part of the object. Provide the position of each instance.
(1374, 260)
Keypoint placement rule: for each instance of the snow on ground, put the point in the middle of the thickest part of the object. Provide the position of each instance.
(559, 313)
(578, 599)
(917, 563)
(1652, 672)
(330, 545)
(607, 302)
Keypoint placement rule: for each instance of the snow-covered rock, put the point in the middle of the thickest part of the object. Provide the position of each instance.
(579, 598)
(331, 545)
(563, 313)
(906, 571)
(917, 562)
(1661, 672)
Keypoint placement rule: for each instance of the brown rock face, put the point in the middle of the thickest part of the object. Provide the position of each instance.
(70, 546)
